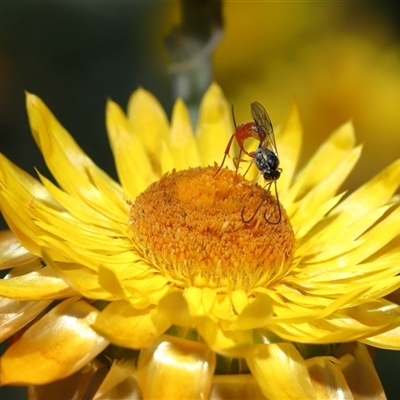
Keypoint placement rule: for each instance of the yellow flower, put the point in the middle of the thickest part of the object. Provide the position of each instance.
(164, 264)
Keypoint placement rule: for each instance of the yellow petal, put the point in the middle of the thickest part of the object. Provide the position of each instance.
(344, 300)
(58, 345)
(223, 307)
(56, 144)
(193, 297)
(84, 280)
(12, 253)
(80, 210)
(126, 390)
(146, 289)
(72, 387)
(332, 243)
(172, 368)
(255, 315)
(10, 173)
(148, 121)
(133, 165)
(235, 387)
(128, 327)
(305, 219)
(214, 128)
(167, 161)
(208, 299)
(365, 246)
(114, 385)
(65, 159)
(338, 327)
(28, 213)
(111, 192)
(181, 148)
(137, 284)
(324, 161)
(374, 193)
(327, 379)
(325, 189)
(281, 372)
(174, 308)
(79, 237)
(60, 251)
(42, 284)
(366, 199)
(16, 201)
(240, 300)
(228, 343)
(389, 340)
(16, 314)
(376, 313)
(374, 239)
(359, 371)
(289, 140)
(108, 280)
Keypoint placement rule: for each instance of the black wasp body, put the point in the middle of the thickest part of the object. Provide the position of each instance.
(267, 163)
(266, 158)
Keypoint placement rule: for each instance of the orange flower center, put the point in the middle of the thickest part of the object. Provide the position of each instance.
(190, 225)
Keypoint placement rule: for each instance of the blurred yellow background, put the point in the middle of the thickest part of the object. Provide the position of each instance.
(340, 60)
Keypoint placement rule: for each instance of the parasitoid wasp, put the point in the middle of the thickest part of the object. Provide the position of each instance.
(265, 157)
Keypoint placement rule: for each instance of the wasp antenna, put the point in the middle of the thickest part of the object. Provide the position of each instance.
(233, 117)
(246, 221)
(279, 209)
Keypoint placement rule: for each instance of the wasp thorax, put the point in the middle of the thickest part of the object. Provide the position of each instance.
(190, 226)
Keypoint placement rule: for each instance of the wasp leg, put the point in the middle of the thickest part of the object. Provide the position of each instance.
(228, 147)
(246, 221)
(279, 209)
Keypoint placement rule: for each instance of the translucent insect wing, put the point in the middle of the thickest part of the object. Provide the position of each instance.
(262, 119)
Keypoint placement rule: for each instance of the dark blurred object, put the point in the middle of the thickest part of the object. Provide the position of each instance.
(191, 46)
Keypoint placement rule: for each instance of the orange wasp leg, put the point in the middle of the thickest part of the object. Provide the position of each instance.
(228, 147)
(238, 160)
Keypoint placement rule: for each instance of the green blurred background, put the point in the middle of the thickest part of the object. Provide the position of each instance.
(340, 60)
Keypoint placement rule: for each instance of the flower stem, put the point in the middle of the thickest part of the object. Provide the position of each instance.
(191, 46)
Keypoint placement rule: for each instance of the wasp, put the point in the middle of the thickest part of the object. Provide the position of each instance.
(265, 157)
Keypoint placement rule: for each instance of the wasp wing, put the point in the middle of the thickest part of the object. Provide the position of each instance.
(263, 121)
